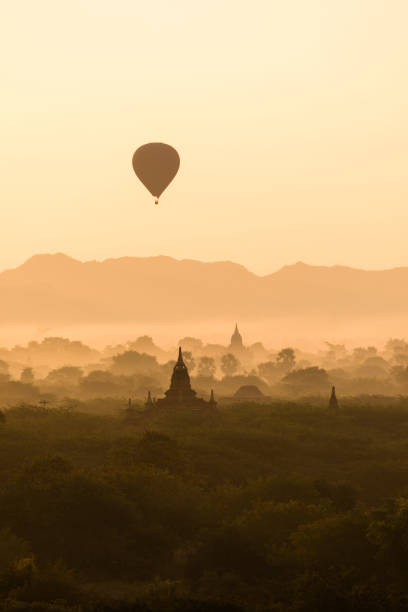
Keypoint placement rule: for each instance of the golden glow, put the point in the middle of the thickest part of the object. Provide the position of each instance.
(290, 119)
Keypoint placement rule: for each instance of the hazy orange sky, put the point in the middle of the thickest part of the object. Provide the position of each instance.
(290, 118)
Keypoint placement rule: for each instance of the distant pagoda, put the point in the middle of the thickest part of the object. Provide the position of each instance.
(212, 403)
(236, 340)
(180, 393)
(333, 404)
(149, 403)
(131, 414)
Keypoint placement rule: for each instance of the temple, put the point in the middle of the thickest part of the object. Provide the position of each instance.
(180, 393)
(131, 414)
(149, 402)
(333, 404)
(236, 340)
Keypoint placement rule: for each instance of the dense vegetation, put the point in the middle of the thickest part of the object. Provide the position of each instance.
(282, 507)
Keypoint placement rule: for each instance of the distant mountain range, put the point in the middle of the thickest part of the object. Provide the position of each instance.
(59, 290)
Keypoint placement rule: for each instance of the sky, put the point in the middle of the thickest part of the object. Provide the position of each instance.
(290, 118)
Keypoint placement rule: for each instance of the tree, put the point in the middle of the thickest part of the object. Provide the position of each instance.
(229, 364)
(68, 376)
(334, 541)
(308, 380)
(286, 357)
(270, 371)
(396, 351)
(191, 344)
(258, 351)
(373, 367)
(397, 345)
(27, 376)
(158, 449)
(166, 369)
(144, 344)
(100, 383)
(335, 351)
(12, 549)
(189, 360)
(361, 353)
(206, 367)
(401, 359)
(400, 375)
(131, 362)
(388, 532)
(59, 351)
(4, 371)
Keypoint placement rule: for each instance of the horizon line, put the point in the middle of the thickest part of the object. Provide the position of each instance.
(200, 261)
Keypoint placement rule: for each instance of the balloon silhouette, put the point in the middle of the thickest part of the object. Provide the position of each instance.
(156, 164)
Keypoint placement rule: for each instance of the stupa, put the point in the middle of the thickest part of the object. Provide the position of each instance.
(333, 404)
(236, 340)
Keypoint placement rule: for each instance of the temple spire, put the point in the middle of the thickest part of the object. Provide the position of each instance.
(180, 357)
(212, 403)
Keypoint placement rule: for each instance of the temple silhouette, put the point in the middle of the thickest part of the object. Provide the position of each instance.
(237, 343)
(333, 404)
(180, 394)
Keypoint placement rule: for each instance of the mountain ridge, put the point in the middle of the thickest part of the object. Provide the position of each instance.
(58, 289)
(295, 266)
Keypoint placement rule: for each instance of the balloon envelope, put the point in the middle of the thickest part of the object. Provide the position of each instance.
(156, 164)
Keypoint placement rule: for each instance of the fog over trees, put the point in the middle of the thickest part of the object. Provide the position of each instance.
(58, 367)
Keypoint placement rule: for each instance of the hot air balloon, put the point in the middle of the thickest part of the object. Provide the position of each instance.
(156, 164)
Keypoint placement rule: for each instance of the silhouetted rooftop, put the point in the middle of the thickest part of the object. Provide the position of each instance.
(248, 392)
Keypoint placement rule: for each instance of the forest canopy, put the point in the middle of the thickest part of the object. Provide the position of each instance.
(279, 506)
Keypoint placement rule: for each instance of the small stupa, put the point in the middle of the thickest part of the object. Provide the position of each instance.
(333, 404)
(130, 412)
(212, 403)
(149, 403)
